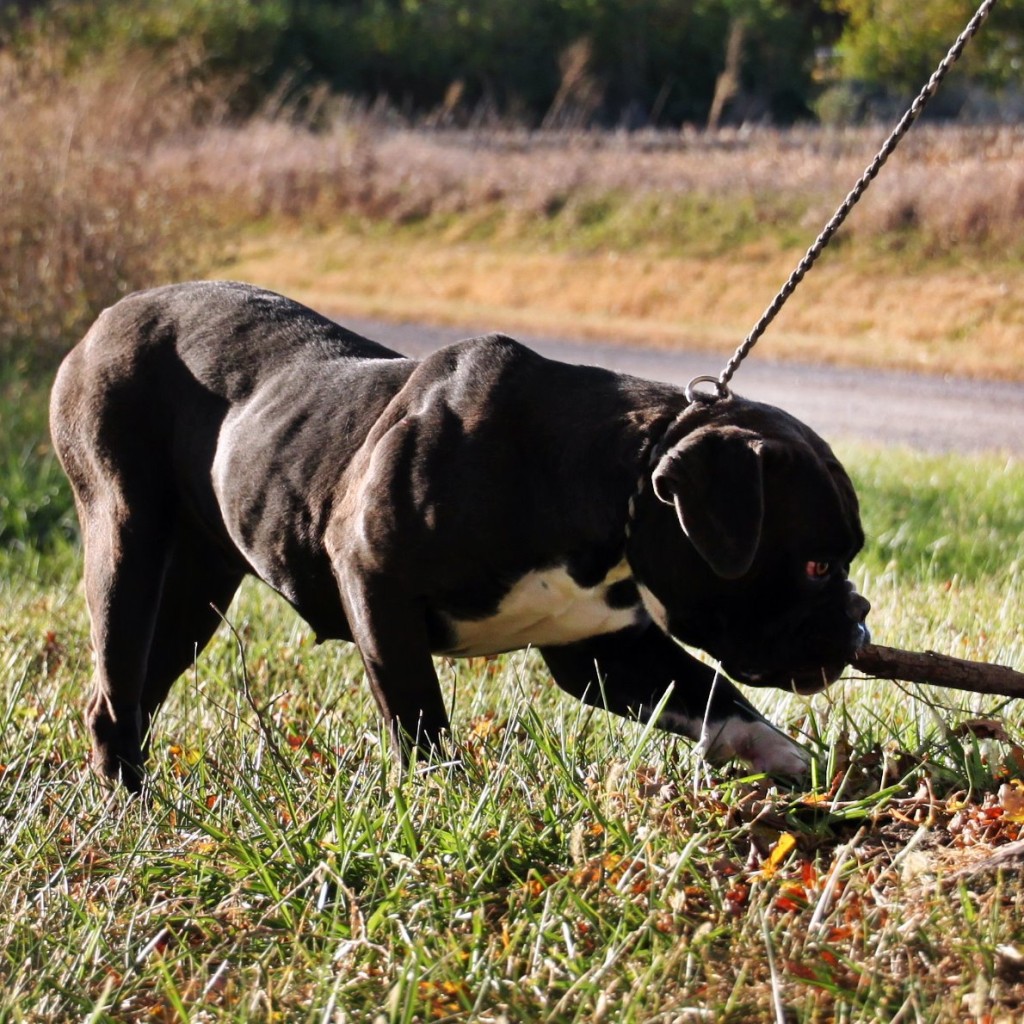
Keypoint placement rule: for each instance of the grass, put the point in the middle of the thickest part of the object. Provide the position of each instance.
(939, 319)
(580, 868)
(87, 214)
(666, 239)
(38, 530)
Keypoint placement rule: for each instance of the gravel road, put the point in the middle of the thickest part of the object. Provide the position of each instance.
(934, 414)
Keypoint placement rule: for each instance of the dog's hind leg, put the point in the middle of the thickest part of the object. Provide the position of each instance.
(197, 588)
(629, 674)
(125, 560)
(109, 449)
(154, 601)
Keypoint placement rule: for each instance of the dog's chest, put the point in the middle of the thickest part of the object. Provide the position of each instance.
(548, 607)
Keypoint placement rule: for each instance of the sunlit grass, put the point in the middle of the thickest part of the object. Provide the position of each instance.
(852, 310)
(578, 867)
(571, 865)
(944, 519)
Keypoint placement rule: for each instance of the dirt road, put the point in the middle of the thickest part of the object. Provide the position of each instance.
(932, 414)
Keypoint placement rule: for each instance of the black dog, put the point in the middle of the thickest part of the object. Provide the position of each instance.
(480, 500)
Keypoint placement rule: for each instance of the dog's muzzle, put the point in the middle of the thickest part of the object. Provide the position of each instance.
(808, 679)
(857, 608)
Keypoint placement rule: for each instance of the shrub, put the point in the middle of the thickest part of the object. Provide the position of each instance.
(84, 218)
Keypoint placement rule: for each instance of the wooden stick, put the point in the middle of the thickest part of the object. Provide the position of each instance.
(939, 669)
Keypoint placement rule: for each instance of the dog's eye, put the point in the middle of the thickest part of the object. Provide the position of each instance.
(818, 570)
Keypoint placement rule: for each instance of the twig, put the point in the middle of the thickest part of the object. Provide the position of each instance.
(1008, 858)
(939, 669)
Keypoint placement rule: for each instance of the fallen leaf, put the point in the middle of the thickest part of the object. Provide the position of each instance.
(783, 847)
(983, 729)
(788, 905)
(1011, 799)
(485, 726)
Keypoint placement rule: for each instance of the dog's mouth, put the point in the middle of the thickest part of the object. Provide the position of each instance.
(803, 679)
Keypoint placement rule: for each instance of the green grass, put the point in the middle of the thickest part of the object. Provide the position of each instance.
(941, 518)
(37, 518)
(690, 224)
(580, 868)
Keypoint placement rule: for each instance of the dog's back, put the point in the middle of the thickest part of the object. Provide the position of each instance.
(158, 372)
(137, 414)
(225, 334)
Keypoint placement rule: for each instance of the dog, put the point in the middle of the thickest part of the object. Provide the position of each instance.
(481, 500)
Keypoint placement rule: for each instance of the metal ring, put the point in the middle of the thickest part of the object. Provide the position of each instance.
(721, 390)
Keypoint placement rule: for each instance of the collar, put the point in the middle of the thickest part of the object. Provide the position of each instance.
(650, 455)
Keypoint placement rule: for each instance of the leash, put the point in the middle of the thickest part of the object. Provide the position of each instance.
(721, 382)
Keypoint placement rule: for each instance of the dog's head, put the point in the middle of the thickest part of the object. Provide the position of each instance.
(746, 545)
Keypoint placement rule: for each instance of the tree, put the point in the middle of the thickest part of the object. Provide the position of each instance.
(611, 62)
(768, 50)
(894, 45)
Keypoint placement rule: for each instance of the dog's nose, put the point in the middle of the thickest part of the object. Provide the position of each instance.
(857, 606)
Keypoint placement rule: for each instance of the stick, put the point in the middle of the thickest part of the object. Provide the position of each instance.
(939, 669)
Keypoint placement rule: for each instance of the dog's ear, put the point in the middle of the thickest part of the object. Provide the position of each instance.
(713, 477)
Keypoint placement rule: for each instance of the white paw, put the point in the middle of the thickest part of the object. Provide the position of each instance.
(765, 748)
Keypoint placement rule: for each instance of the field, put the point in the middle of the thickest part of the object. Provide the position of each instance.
(579, 867)
(666, 237)
(668, 240)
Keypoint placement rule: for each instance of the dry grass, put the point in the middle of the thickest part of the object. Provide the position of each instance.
(111, 183)
(84, 218)
(964, 320)
(677, 241)
(957, 186)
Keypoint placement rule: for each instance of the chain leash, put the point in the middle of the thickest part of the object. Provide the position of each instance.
(721, 382)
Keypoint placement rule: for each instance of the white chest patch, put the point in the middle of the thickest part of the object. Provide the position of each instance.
(545, 607)
(655, 608)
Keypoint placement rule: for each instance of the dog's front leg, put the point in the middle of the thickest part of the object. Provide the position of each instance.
(629, 673)
(389, 628)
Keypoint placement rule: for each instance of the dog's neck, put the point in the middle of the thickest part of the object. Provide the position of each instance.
(651, 451)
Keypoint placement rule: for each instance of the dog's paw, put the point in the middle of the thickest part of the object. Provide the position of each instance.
(117, 754)
(765, 748)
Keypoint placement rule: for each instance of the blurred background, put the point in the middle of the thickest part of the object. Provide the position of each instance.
(146, 141)
(644, 172)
